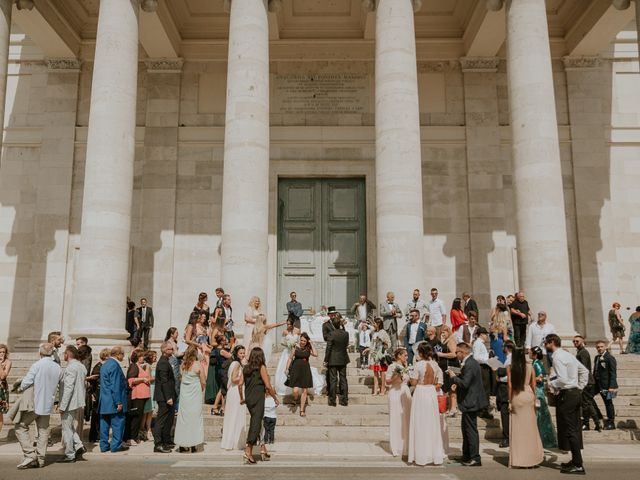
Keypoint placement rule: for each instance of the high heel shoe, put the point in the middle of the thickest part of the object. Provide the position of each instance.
(265, 457)
(303, 413)
(247, 460)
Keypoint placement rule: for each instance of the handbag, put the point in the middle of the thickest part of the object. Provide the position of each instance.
(442, 403)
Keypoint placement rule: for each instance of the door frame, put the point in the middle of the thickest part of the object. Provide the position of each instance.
(321, 169)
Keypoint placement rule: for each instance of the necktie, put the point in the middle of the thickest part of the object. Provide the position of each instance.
(466, 335)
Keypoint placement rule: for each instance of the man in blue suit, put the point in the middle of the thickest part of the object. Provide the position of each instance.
(113, 402)
(416, 332)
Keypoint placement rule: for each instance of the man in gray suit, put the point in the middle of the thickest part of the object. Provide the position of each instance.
(390, 313)
(72, 401)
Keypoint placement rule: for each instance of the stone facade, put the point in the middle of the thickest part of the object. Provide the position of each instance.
(469, 210)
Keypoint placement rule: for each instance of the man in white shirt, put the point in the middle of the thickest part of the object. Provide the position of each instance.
(568, 379)
(415, 332)
(481, 355)
(43, 377)
(436, 312)
(538, 331)
(418, 304)
(364, 343)
(468, 332)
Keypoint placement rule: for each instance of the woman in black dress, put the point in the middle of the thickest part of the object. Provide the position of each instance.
(298, 370)
(256, 383)
(202, 308)
(447, 358)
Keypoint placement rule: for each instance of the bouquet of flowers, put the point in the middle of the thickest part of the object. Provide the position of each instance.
(400, 370)
(290, 343)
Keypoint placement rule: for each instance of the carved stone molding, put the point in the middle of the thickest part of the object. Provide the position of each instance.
(64, 65)
(479, 64)
(582, 62)
(24, 4)
(149, 6)
(164, 65)
(495, 5)
(370, 5)
(437, 66)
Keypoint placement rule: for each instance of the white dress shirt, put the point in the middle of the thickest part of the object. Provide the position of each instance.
(270, 409)
(413, 332)
(507, 362)
(569, 372)
(436, 312)
(44, 375)
(460, 332)
(362, 312)
(480, 353)
(419, 305)
(364, 338)
(536, 334)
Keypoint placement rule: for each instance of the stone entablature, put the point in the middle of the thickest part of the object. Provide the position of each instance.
(581, 62)
(164, 65)
(479, 64)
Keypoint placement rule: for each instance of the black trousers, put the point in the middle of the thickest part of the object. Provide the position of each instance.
(470, 437)
(568, 405)
(256, 411)
(134, 418)
(502, 403)
(164, 422)
(269, 425)
(487, 381)
(338, 380)
(364, 358)
(143, 335)
(94, 429)
(519, 333)
(590, 409)
(608, 405)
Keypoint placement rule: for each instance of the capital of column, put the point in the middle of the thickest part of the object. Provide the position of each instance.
(479, 64)
(149, 6)
(371, 5)
(495, 5)
(621, 4)
(581, 62)
(271, 5)
(64, 65)
(164, 65)
(24, 4)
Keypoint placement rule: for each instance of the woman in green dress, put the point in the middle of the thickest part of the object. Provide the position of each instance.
(545, 425)
(189, 433)
(633, 345)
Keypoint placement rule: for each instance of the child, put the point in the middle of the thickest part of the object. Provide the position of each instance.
(364, 344)
(269, 420)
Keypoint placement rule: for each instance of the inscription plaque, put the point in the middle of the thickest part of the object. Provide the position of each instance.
(322, 93)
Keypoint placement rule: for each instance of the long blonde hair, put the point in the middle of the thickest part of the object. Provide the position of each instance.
(189, 358)
(252, 304)
(258, 329)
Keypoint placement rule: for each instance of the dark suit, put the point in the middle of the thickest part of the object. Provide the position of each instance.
(113, 392)
(471, 400)
(502, 401)
(336, 357)
(471, 306)
(589, 406)
(165, 390)
(421, 334)
(605, 374)
(327, 328)
(146, 324)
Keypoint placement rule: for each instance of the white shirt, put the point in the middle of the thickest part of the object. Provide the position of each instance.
(270, 408)
(419, 305)
(507, 362)
(569, 372)
(362, 312)
(143, 314)
(436, 312)
(460, 332)
(413, 332)
(480, 353)
(44, 375)
(364, 338)
(536, 334)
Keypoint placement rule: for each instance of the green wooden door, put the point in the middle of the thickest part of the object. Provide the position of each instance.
(321, 242)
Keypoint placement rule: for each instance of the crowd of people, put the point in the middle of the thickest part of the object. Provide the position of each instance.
(438, 365)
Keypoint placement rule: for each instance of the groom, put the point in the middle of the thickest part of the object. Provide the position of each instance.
(336, 359)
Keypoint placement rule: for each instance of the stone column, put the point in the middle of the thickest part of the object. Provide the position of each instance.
(399, 216)
(623, 5)
(543, 260)
(102, 272)
(245, 183)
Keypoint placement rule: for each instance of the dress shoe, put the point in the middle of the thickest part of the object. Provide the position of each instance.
(486, 416)
(504, 444)
(170, 445)
(123, 448)
(585, 427)
(573, 470)
(28, 463)
(161, 449)
(67, 460)
(472, 463)
(609, 426)
(332, 404)
(566, 465)
(344, 404)
(81, 451)
(598, 427)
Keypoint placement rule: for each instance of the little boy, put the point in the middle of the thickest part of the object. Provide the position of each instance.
(269, 420)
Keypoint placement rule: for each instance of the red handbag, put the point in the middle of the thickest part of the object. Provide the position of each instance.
(442, 403)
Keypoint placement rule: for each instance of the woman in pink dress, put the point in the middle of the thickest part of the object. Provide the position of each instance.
(234, 426)
(425, 434)
(399, 404)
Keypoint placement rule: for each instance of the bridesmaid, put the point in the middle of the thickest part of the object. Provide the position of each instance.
(202, 308)
(525, 449)
(543, 416)
(233, 428)
(399, 404)
(425, 433)
(298, 370)
(189, 431)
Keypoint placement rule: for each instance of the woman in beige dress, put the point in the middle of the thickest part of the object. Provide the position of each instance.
(525, 445)
(399, 404)
(250, 316)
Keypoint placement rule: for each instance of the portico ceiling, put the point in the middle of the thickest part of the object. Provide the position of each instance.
(189, 22)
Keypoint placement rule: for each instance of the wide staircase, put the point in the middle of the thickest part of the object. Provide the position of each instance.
(366, 418)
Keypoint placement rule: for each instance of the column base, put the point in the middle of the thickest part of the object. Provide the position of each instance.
(101, 337)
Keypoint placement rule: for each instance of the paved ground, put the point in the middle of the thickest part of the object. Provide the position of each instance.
(355, 461)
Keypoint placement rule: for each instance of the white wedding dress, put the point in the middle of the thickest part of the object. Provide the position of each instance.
(281, 377)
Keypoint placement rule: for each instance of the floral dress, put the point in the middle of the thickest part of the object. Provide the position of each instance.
(543, 416)
(379, 344)
(634, 333)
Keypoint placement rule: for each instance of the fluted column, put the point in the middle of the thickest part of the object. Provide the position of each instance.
(5, 38)
(399, 222)
(543, 260)
(101, 282)
(245, 183)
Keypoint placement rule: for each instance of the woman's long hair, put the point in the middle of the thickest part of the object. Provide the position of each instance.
(518, 370)
(252, 303)
(257, 335)
(305, 335)
(256, 361)
(236, 350)
(457, 304)
(190, 356)
(425, 351)
(170, 333)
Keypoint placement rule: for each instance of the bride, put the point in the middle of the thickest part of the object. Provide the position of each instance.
(290, 340)
(260, 336)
